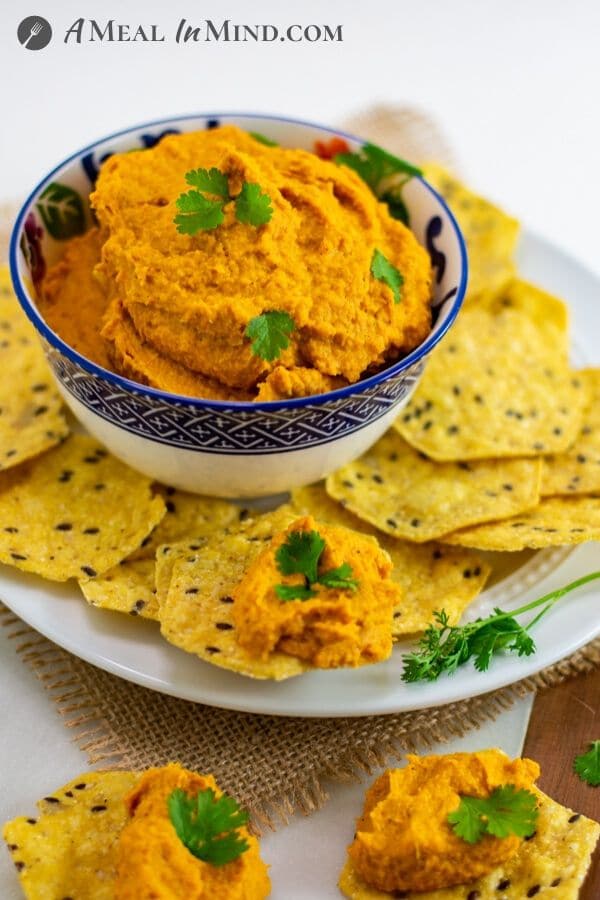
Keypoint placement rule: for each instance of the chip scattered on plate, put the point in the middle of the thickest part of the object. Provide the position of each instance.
(498, 385)
(74, 512)
(31, 417)
(405, 494)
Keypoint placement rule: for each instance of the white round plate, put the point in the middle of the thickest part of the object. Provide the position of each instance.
(134, 649)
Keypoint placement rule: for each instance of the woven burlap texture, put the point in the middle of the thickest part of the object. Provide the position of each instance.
(276, 766)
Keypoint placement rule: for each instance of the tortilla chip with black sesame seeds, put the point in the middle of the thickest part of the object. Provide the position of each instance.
(577, 471)
(431, 575)
(553, 863)
(555, 522)
(188, 514)
(196, 613)
(53, 523)
(69, 850)
(31, 418)
(405, 494)
(498, 385)
(126, 588)
(491, 235)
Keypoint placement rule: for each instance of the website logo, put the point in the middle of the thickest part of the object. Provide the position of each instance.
(34, 33)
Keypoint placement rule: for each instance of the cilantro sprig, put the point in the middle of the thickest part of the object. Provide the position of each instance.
(300, 555)
(375, 166)
(383, 270)
(202, 209)
(587, 765)
(270, 333)
(208, 826)
(444, 647)
(506, 811)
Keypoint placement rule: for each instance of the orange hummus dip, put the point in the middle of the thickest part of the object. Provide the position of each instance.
(170, 310)
(403, 840)
(337, 627)
(154, 864)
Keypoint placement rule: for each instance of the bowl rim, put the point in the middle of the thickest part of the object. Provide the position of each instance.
(168, 397)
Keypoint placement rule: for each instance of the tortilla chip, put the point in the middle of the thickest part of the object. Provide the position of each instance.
(70, 849)
(188, 514)
(431, 575)
(196, 613)
(404, 494)
(556, 521)
(555, 859)
(550, 313)
(577, 471)
(168, 554)
(498, 385)
(74, 512)
(126, 588)
(491, 235)
(31, 419)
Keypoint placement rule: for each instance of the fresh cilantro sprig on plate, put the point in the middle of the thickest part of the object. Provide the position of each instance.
(506, 811)
(383, 270)
(444, 647)
(208, 826)
(375, 166)
(270, 333)
(587, 765)
(300, 555)
(202, 208)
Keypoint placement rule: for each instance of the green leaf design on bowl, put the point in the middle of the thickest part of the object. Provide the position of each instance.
(62, 212)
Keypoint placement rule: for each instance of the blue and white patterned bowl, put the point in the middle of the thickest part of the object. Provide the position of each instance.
(224, 448)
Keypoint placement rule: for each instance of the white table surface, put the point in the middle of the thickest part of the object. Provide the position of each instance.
(514, 86)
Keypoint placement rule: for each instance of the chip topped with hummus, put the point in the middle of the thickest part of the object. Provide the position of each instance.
(225, 268)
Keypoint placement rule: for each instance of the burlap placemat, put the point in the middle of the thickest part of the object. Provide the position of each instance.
(276, 766)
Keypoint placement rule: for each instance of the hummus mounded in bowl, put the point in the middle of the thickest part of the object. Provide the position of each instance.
(171, 310)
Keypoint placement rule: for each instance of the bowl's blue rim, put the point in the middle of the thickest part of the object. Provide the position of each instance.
(246, 405)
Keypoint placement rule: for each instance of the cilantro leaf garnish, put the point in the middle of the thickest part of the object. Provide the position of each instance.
(208, 826)
(373, 164)
(262, 139)
(209, 181)
(300, 555)
(339, 578)
(587, 765)
(252, 207)
(383, 270)
(197, 213)
(444, 647)
(294, 592)
(270, 333)
(506, 811)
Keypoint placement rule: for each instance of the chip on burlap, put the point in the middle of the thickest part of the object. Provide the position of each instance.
(491, 235)
(126, 588)
(74, 512)
(555, 861)
(556, 521)
(31, 418)
(405, 494)
(431, 575)
(70, 849)
(577, 471)
(196, 613)
(188, 514)
(498, 385)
